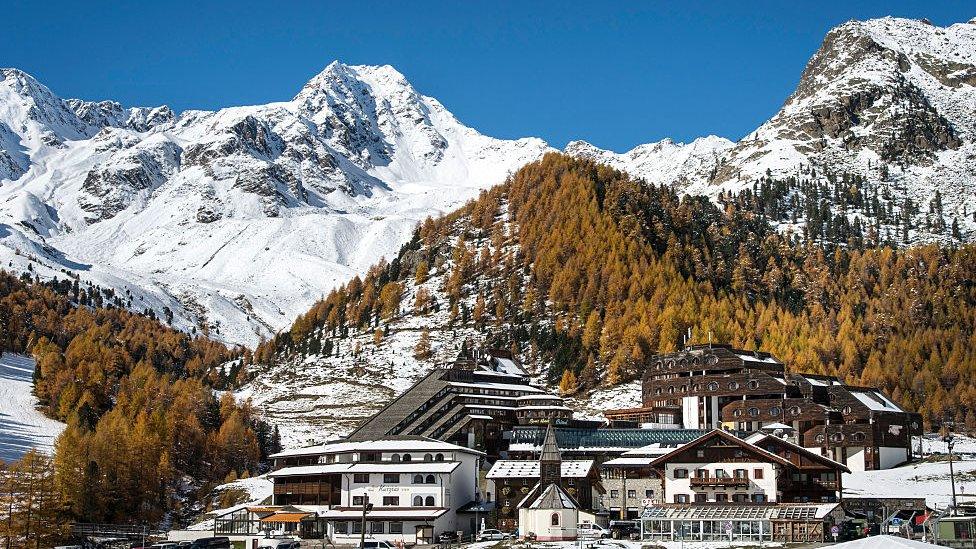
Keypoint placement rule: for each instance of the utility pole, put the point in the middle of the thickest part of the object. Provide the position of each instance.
(949, 439)
(366, 508)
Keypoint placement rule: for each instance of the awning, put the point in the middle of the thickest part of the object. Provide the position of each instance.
(286, 517)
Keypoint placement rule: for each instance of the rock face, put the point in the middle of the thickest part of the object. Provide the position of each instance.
(888, 102)
(273, 205)
(268, 205)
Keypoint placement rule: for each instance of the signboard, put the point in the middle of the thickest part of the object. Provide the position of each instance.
(647, 502)
(896, 521)
(728, 527)
(835, 531)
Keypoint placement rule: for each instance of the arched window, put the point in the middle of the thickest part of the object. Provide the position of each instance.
(395, 457)
(713, 386)
(733, 385)
(554, 519)
(429, 502)
(406, 457)
(418, 479)
(428, 457)
(439, 457)
(430, 479)
(754, 412)
(418, 501)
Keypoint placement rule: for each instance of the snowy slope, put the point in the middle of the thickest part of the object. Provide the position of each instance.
(236, 220)
(929, 480)
(892, 100)
(22, 426)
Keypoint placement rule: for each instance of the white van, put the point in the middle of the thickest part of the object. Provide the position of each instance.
(589, 530)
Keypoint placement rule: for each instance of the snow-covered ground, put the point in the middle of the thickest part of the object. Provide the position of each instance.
(929, 480)
(22, 426)
(932, 443)
(258, 489)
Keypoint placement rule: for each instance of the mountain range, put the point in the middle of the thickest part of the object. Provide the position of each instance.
(235, 221)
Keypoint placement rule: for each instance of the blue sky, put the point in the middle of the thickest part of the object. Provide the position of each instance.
(614, 74)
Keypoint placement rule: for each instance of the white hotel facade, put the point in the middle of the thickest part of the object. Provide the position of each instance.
(415, 485)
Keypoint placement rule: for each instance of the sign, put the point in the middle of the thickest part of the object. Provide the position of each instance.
(896, 521)
(835, 531)
(647, 502)
(728, 527)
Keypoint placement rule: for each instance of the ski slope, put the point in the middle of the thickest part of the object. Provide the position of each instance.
(22, 426)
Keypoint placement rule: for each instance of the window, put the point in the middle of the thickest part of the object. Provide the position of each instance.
(429, 501)
(396, 527)
(614, 494)
(701, 473)
(391, 501)
(753, 384)
(757, 474)
(648, 494)
(741, 473)
(406, 457)
(858, 437)
(418, 501)
(721, 497)
(681, 473)
(428, 457)
(632, 494)
(391, 478)
(357, 501)
(713, 386)
(377, 527)
(754, 412)
(740, 498)
(701, 498)
(733, 385)
(721, 473)
(775, 411)
(554, 519)
(700, 453)
(681, 498)
(846, 411)
(418, 479)
(439, 457)
(759, 498)
(357, 527)
(341, 527)
(736, 412)
(360, 478)
(430, 480)
(794, 410)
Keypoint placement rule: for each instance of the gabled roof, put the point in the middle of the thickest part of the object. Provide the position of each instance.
(801, 450)
(718, 434)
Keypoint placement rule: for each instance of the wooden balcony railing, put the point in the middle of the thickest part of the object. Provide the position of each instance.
(724, 482)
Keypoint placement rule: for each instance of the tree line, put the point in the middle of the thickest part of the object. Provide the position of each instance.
(591, 272)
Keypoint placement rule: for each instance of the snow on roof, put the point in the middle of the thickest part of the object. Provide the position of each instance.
(405, 467)
(885, 542)
(776, 425)
(501, 386)
(554, 407)
(480, 416)
(654, 449)
(508, 366)
(515, 468)
(397, 445)
(875, 401)
(629, 461)
(754, 358)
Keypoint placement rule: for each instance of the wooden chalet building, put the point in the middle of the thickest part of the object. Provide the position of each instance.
(717, 386)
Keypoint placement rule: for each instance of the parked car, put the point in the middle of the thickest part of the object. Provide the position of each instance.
(377, 545)
(211, 543)
(447, 536)
(493, 535)
(591, 531)
(624, 529)
(164, 545)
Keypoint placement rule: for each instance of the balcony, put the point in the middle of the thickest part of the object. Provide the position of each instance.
(302, 488)
(724, 482)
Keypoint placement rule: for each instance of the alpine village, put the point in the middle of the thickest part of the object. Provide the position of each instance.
(767, 342)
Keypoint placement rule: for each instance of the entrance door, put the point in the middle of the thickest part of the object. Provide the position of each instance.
(425, 535)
